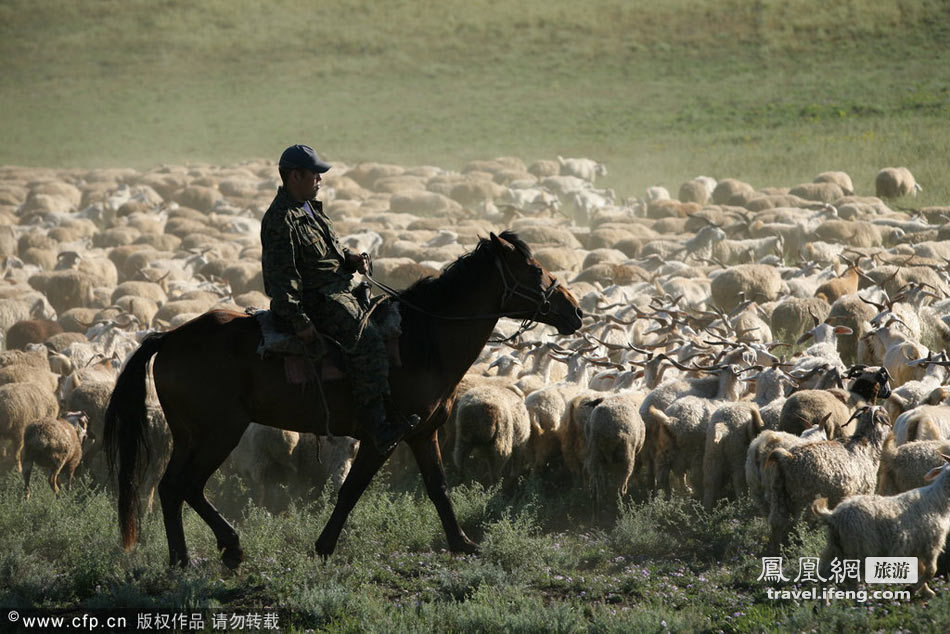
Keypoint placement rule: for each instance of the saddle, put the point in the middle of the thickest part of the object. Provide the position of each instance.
(323, 359)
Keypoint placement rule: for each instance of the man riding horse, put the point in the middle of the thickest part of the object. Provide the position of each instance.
(309, 276)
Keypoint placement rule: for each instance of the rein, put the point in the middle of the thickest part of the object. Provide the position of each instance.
(512, 287)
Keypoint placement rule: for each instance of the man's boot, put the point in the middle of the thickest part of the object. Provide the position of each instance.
(380, 429)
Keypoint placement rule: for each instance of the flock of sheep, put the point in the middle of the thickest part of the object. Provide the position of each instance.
(778, 343)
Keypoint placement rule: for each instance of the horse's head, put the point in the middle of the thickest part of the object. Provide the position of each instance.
(530, 291)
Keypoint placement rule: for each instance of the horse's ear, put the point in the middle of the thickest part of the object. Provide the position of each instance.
(497, 242)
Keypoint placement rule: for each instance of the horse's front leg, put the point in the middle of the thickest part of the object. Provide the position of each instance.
(365, 466)
(429, 459)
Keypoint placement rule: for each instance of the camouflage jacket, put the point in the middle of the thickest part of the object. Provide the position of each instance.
(302, 258)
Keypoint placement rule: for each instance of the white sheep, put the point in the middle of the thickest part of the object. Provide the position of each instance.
(903, 468)
(925, 422)
(614, 435)
(899, 350)
(912, 524)
(656, 193)
(729, 432)
(823, 353)
(918, 392)
(800, 475)
(491, 423)
(770, 386)
(894, 182)
(762, 447)
(278, 463)
(679, 441)
(585, 168)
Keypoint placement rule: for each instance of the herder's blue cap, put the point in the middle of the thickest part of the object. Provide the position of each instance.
(302, 157)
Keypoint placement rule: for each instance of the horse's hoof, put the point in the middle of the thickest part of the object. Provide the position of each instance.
(232, 557)
(465, 547)
(321, 551)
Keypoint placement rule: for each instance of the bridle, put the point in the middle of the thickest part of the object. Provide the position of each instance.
(511, 288)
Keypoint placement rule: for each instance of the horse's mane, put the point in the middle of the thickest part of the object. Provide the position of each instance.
(433, 292)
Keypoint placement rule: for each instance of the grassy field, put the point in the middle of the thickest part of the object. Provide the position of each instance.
(544, 566)
(772, 91)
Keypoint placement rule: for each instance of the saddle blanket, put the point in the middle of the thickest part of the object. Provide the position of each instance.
(302, 363)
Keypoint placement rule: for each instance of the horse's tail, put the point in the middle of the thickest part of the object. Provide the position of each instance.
(125, 434)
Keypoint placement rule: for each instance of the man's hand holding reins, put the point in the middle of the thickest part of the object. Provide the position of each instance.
(358, 262)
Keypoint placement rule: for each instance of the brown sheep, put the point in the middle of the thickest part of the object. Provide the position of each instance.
(30, 331)
(757, 282)
(825, 192)
(92, 397)
(728, 188)
(845, 284)
(77, 320)
(135, 288)
(55, 444)
(21, 404)
(792, 317)
(851, 312)
(806, 408)
(19, 373)
(65, 289)
(842, 179)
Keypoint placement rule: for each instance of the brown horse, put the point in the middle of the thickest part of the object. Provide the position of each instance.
(212, 384)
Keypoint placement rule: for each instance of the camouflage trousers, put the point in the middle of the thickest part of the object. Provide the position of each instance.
(366, 361)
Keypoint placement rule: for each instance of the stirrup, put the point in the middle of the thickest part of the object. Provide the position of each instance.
(387, 437)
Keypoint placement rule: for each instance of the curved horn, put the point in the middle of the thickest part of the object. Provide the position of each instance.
(880, 307)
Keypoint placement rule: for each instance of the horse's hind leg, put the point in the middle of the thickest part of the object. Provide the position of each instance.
(365, 466)
(204, 463)
(171, 493)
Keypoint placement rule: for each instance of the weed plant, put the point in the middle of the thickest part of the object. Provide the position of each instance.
(656, 565)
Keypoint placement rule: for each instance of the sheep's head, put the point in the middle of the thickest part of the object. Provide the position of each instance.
(872, 421)
(870, 383)
(77, 418)
(712, 233)
(80, 422)
(825, 333)
(936, 471)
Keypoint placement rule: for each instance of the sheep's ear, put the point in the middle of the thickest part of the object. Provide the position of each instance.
(756, 424)
(843, 330)
(933, 473)
(664, 436)
(808, 335)
(936, 396)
